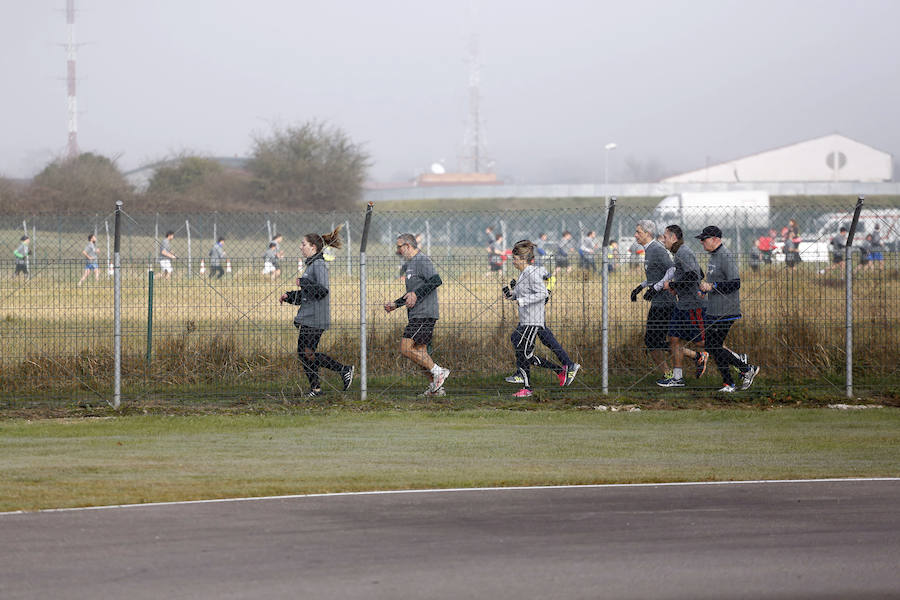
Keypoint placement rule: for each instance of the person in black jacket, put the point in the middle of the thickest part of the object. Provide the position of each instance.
(314, 315)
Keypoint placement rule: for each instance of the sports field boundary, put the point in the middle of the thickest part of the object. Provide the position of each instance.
(452, 490)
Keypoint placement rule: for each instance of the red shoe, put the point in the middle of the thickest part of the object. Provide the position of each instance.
(562, 375)
(523, 393)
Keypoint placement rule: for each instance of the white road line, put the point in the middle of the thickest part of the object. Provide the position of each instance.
(448, 490)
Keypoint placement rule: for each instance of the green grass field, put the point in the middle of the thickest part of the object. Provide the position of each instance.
(132, 459)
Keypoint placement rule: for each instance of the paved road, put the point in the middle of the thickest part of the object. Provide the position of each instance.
(753, 540)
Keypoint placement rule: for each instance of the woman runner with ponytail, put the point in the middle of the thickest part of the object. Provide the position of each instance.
(314, 315)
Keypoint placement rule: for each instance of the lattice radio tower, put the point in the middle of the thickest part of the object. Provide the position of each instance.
(71, 102)
(474, 155)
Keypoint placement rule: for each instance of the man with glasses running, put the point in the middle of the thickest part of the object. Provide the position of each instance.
(421, 304)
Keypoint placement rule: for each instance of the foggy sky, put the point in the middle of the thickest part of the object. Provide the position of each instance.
(674, 83)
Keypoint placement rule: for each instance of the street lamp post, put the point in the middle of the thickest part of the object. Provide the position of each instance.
(608, 147)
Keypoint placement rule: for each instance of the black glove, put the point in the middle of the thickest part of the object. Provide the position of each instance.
(292, 297)
(650, 293)
(635, 292)
(507, 292)
(400, 302)
(512, 284)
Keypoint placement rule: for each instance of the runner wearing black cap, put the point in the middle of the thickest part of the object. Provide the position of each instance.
(723, 284)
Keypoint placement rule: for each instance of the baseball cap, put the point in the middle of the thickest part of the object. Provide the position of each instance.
(708, 232)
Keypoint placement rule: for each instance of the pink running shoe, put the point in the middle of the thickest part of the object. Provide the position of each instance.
(523, 393)
(562, 375)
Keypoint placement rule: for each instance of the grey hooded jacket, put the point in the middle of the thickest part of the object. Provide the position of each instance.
(530, 293)
(315, 309)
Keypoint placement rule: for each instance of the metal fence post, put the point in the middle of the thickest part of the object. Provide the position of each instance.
(117, 309)
(363, 372)
(149, 314)
(604, 367)
(848, 289)
(187, 227)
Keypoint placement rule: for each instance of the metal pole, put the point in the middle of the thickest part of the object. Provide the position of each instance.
(187, 227)
(149, 315)
(428, 237)
(363, 372)
(848, 289)
(117, 311)
(604, 367)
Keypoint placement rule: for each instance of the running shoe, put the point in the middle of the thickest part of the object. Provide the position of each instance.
(748, 376)
(670, 382)
(516, 378)
(571, 372)
(727, 388)
(701, 360)
(313, 394)
(440, 378)
(562, 376)
(347, 376)
(431, 393)
(523, 393)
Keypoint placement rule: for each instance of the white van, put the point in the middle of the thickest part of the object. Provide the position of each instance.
(695, 210)
(887, 219)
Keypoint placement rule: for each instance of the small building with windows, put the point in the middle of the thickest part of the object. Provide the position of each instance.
(830, 158)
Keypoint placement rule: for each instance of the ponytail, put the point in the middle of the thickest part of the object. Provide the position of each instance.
(332, 239)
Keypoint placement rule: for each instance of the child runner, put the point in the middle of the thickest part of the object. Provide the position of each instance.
(531, 295)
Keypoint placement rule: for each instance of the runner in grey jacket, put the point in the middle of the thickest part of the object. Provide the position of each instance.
(217, 259)
(314, 315)
(658, 268)
(687, 322)
(723, 288)
(530, 292)
(421, 304)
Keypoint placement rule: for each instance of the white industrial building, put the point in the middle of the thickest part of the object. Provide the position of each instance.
(830, 158)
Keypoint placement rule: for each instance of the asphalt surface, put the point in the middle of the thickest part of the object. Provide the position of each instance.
(827, 539)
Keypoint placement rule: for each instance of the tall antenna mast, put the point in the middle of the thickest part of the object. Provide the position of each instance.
(474, 158)
(71, 102)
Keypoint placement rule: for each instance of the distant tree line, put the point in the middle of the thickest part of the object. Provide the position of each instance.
(312, 166)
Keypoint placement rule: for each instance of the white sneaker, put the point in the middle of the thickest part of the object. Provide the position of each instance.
(727, 389)
(440, 378)
(431, 393)
(748, 377)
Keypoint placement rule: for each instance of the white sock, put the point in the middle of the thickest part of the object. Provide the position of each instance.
(436, 369)
(676, 373)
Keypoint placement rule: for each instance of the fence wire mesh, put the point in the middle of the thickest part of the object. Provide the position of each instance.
(218, 331)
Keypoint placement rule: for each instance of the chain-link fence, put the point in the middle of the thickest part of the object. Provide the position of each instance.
(208, 330)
